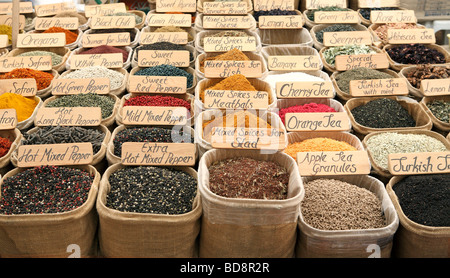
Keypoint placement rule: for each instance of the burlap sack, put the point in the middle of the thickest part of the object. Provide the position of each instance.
(398, 66)
(190, 48)
(200, 4)
(298, 37)
(384, 172)
(146, 235)
(186, 97)
(109, 121)
(62, 51)
(190, 70)
(332, 68)
(113, 91)
(290, 50)
(208, 82)
(423, 121)
(315, 29)
(379, 42)
(198, 24)
(52, 235)
(189, 30)
(413, 240)
(23, 125)
(13, 135)
(346, 96)
(135, 31)
(97, 159)
(368, 243)
(72, 45)
(126, 64)
(437, 123)
(248, 228)
(112, 158)
(199, 45)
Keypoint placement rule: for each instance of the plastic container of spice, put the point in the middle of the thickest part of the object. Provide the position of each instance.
(414, 240)
(47, 235)
(72, 45)
(200, 36)
(121, 233)
(298, 37)
(269, 225)
(359, 243)
(438, 123)
(198, 25)
(200, 4)
(317, 28)
(135, 35)
(125, 66)
(14, 136)
(190, 48)
(64, 52)
(290, 50)
(192, 33)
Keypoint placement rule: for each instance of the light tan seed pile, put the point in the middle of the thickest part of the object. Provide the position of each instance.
(331, 204)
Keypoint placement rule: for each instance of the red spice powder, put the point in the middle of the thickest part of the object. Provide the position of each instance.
(5, 145)
(71, 37)
(43, 79)
(103, 49)
(146, 100)
(306, 108)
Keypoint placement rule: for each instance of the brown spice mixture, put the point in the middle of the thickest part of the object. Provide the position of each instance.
(426, 71)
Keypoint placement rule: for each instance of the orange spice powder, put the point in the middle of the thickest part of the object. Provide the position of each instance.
(319, 144)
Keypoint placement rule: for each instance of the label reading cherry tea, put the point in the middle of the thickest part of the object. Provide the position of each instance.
(305, 89)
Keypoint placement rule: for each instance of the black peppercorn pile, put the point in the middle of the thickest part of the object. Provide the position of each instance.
(45, 189)
(383, 113)
(257, 14)
(425, 199)
(415, 54)
(147, 189)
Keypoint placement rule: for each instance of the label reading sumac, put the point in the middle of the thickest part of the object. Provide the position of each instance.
(54, 154)
(161, 154)
(333, 163)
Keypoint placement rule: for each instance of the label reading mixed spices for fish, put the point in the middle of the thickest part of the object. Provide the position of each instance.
(154, 115)
(318, 121)
(222, 8)
(371, 61)
(248, 138)
(223, 69)
(435, 87)
(294, 62)
(172, 37)
(75, 86)
(224, 44)
(8, 119)
(23, 86)
(161, 154)
(379, 87)
(304, 89)
(419, 163)
(186, 6)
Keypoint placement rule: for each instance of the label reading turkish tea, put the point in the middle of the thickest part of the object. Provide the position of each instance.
(333, 163)
(22, 86)
(248, 138)
(419, 163)
(157, 84)
(185, 6)
(294, 62)
(154, 115)
(408, 36)
(104, 9)
(371, 61)
(395, 16)
(54, 154)
(112, 39)
(179, 20)
(110, 22)
(228, 22)
(172, 37)
(75, 86)
(225, 8)
(334, 17)
(224, 69)
(44, 23)
(107, 60)
(267, 5)
(68, 116)
(224, 44)
(42, 63)
(161, 154)
(347, 38)
(7, 20)
(153, 58)
(229, 99)
(52, 9)
(317, 121)
(280, 22)
(379, 87)
(30, 40)
(316, 4)
(8, 118)
(24, 8)
(305, 89)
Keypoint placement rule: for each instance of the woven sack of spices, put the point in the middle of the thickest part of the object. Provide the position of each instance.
(119, 91)
(111, 155)
(126, 64)
(347, 96)
(198, 24)
(190, 48)
(192, 33)
(290, 50)
(146, 235)
(414, 240)
(423, 121)
(383, 172)
(200, 37)
(200, 4)
(14, 136)
(98, 157)
(315, 29)
(244, 227)
(298, 37)
(50, 235)
(359, 243)
(62, 51)
(437, 123)
(434, 47)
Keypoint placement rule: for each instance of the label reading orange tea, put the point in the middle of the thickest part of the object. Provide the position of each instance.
(54, 154)
(317, 121)
(333, 163)
(161, 154)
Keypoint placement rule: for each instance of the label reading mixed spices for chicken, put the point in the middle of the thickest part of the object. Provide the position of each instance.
(161, 154)
(419, 163)
(224, 44)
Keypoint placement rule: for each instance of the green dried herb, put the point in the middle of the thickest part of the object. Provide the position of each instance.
(440, 109)
(331, 52)
(334, 28)
(310, 14)
(343, 79)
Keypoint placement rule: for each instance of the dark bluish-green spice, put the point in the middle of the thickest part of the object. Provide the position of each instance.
(148, 189)
(166, 70)
(334, 28)
(106, 103)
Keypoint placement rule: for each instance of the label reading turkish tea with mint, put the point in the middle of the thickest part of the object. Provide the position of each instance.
(379, 87)
(160, 154)
(419, 163)
(22, 86)
(333, 163)
(248, 138)
(304, 89)
(8, 118)
(68, 116)
(317, 121)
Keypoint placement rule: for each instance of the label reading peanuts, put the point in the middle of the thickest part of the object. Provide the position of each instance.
(75, 86)
(107, 60)
(419, 163)
(379, 87)
(228, 22)
(69, 23)
(333, 163)
(334, 17)
(8, 119)
(154, 115)
(371, 61)
(395, 16)
(22, 86)
(7, 20)
(4, 41)
(408, 36)
(54, 154)
(52, 9)
(42, 63)
(225, 8)
(153, 58)
(108, 22)
(316, 4)
(161, 154)
(229, 99)
(224, 69)
(435, 87)
(294, 62)
(378, 3)
(186, 6)
(68, 116)
(267, 5)
(305, 89)
(112, 39)
(104, 9)
(29, 40)
(172, 37)
(224, 44)
(179, 20)
(317, 121)
(280, 22)
(157, 84)
(24, 8)
(346, 38)
(248, 138)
